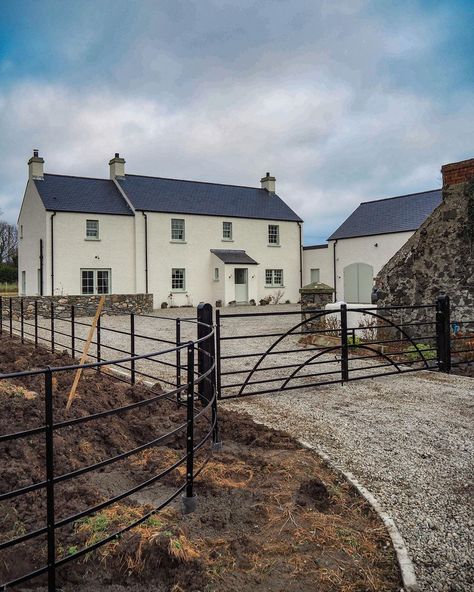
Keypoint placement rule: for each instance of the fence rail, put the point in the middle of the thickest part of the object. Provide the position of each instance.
(194, 390)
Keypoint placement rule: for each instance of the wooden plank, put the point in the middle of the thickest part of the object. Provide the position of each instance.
(82, 361)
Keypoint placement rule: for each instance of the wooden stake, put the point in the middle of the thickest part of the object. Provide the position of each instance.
(85, 352)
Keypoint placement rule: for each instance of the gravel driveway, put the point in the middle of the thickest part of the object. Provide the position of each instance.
(408, 439)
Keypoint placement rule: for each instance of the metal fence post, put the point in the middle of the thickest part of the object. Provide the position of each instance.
(36, 323)
(443, 333)
(22, 322)
(98, 344)
(73, 331)
(52, 326)
(11, 317)
(344, 345)
(1, 315)
(49, 437)
(206, 353)
(189, 498)
(132, 347)
(178, 359)
(218, 353)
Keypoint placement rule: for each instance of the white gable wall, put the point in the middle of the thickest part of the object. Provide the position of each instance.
(373, 250)
(33, 220)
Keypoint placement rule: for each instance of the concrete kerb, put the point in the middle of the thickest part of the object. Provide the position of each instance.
(407, 569)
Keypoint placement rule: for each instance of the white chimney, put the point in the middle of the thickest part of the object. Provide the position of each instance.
(268, 183)
(117, 166)
(35, 167)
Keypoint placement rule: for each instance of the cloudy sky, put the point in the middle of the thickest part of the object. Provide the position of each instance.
(342, 100)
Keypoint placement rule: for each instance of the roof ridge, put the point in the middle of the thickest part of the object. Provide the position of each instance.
(191, 181)
(400, 196)
(77, 177)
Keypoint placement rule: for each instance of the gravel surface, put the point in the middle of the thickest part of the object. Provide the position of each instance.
(408, 439)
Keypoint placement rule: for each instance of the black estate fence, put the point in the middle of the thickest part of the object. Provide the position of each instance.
(193, 389)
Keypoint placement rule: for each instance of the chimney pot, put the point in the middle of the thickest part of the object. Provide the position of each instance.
(117, 155)
(35, 152)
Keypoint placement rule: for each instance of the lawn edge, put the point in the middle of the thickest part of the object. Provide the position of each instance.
(407, 570)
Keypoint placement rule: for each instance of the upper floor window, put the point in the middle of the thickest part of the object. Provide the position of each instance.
(227, 230)
(273, 234)
(177, 229)
(92, 229)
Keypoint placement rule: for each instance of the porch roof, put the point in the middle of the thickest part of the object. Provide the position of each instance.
(234, 256)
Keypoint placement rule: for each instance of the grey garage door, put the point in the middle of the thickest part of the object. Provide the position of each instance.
(358, 280)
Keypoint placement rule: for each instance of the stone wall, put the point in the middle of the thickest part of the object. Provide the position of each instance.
(314, 296)
(438, 258)
(84, 306)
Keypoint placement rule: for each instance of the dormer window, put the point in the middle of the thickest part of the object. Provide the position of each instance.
(92, 229)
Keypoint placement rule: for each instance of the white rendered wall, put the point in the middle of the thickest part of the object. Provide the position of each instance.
(364, 250)
(318, 259)
(204, 233)
(115, 250)
(33, 219)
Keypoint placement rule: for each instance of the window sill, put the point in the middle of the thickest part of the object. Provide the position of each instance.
(178, 291)
(273, 245)
(227, 240)
(178, 242)
(275, 286)
(96, 240)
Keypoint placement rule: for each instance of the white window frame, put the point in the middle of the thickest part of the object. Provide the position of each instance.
(92, 234)
(273, 234)
(175, 273)
(272, 274)
(227, 233)
(95, 284)
(178, 230)
(315, 269)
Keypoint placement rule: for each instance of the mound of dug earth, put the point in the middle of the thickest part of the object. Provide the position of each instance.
(270, 516)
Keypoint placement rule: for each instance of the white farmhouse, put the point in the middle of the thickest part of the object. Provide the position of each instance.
(182, 241)
(363, 244)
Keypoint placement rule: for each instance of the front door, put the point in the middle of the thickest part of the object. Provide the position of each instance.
(241, 285)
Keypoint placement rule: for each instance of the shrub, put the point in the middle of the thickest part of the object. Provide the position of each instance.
(413, 353)
(354, 340)
(8, 274)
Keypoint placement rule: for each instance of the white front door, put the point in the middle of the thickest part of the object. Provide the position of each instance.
(241, 285)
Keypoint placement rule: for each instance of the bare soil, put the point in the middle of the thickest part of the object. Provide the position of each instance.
(270, 515)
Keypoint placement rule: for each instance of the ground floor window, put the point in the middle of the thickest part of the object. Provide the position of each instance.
(314, 275)
(178, 278)
(274, 277)
(95, 281)
(23, 282)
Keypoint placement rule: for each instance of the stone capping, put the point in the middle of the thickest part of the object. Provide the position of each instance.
(317, 288)
(84, 305)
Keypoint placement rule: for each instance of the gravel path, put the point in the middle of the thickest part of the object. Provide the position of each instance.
(409, 440)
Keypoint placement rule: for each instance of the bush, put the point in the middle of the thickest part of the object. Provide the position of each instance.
(354, 340)
(8, 274)
(413, 353)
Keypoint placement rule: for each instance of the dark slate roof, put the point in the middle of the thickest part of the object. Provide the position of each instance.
(156, 194)
(394, 214)
(311, 247)
(234, 257)
(62, 193)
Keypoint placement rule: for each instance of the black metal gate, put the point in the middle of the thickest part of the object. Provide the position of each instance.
(268, 352)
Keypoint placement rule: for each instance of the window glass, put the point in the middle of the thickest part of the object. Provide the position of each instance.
(177, 229)
(87, 281)
(216, 273)
(103, 284)
(177, 279)
(314, 275)
(92, 228)
(227, 230)
(273, 234)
